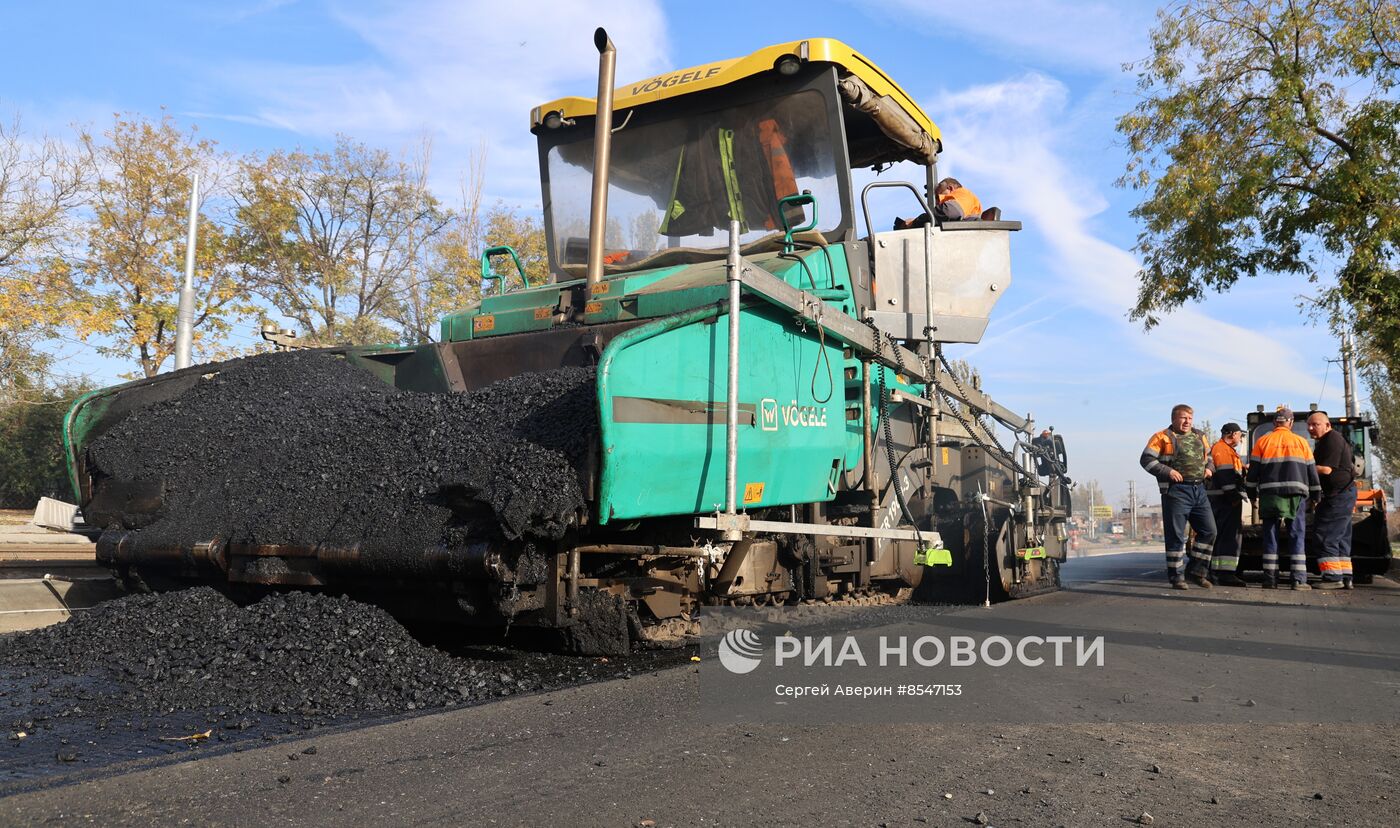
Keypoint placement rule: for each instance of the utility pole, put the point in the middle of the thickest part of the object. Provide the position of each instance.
(1093, 520)
(184, 319)
(1132, 508)
(1349, 375)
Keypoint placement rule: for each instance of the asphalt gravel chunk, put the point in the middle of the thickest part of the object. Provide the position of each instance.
(306, 448)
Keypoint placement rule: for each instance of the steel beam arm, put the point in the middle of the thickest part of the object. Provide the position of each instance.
(832, 319)
(979, 402)
(850, 331)
(744, 523)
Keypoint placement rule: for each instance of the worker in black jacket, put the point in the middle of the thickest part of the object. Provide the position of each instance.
(1332, 518)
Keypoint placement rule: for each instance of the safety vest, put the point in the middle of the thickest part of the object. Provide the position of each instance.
(971, 207)
(1166, 451)
(1281, 463)
(774, 144)
(1227, 470)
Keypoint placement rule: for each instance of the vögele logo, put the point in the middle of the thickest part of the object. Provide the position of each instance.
(768, 414)
(740, 651)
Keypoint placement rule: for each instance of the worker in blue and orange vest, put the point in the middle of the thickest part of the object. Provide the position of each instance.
(1178, 457)
(1282, 475)
(1226, 493)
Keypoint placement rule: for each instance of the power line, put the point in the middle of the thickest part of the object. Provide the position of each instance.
(1324, 380)
(18, 400)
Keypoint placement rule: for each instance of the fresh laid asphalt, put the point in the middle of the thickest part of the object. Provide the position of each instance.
(1227, 706)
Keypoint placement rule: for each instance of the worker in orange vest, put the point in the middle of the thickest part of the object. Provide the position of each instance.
(955, 203)
(1282, 474)
(1226, 492)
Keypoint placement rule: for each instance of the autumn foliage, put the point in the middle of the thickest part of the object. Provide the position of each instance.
(347, 244)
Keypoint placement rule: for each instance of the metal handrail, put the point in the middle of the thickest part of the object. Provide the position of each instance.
(487, 272)
(865, 206)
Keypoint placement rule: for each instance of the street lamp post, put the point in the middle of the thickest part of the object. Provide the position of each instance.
(184, 317)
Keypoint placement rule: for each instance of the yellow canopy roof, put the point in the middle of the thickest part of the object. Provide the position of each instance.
(720, 73)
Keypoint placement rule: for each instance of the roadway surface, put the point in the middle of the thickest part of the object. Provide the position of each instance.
(1242, 706)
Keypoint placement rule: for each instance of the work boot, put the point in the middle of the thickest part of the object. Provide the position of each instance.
(1330, 585)
(1228, 579)
(1270, 581)
(1179, 584)
(1347, 584)
(1300, 585)
(1200, 580)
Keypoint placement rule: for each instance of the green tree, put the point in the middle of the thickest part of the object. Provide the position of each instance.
(452, 276)
(331, 238)
(1266, 139)
(21, 367)
(1086, 494)
(1384, 391)
(32, 464)
(121, 280)
(449, 275)
(41, 182)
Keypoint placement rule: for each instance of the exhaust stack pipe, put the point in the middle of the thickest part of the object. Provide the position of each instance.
(602, 155)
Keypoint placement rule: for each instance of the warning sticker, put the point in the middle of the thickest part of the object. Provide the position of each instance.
(545, 313)
(753, 492)
(484, 323)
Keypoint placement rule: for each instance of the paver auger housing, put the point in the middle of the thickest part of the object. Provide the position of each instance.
(776, 419)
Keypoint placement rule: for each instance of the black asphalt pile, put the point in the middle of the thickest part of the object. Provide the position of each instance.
(305, 654)
(304, 448)
(168, 673)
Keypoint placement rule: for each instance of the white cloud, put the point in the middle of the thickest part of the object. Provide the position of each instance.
(460, 72)
(1093, 35)
(1005, 139)
(244, 12)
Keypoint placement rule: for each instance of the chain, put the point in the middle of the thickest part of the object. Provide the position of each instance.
(889, 431)
(822, 355)
(957, 412)
(929, 389)
(986, 555)
(972, 432)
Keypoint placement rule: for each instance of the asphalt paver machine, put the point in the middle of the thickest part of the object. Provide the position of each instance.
(777, 420)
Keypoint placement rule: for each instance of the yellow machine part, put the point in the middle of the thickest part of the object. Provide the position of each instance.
(723, 72)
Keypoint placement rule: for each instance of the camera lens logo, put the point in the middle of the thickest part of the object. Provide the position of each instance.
(740, 651)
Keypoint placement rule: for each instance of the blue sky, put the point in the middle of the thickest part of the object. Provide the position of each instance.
(1026, 94)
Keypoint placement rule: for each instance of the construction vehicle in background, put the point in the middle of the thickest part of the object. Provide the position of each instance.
(1370, 543)
(777, 419)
